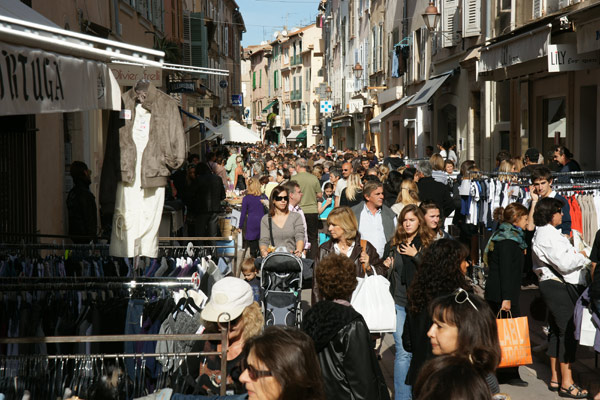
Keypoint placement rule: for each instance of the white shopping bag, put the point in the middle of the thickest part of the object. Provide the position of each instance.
(373, 300)
(588, 329)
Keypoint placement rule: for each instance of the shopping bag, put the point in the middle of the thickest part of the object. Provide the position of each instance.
(588, 329)
(373, 300)
(513, 334)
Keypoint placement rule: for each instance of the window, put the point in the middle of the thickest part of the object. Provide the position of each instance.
(275, 80)
(471, 18)
(308, 79)
(225, 39)
(449, 22)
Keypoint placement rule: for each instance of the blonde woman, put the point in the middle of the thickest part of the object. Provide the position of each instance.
(384, 171)
(352, 194)
(231, 303)
(251, 215)
(506, 168)
(408, 194)
(438, 172)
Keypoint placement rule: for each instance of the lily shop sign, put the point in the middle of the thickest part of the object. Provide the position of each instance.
(564, 57)
(34, 81)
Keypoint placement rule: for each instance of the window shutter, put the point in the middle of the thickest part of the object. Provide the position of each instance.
(537, 9)
(196, 22)
(449, 22)
(260, 78)
(254, 80)
(187, 39)
(471, 18)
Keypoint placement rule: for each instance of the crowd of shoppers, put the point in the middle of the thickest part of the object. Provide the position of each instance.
(353, 217)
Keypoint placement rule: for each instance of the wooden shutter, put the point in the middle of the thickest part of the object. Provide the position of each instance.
(537, 9)
(471, 18)
(187, 39)
(449, 12)
(197, 40)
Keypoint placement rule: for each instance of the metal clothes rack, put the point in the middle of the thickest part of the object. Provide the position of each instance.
(51, 284)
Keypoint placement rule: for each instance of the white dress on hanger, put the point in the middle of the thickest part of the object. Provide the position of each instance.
(138, 211)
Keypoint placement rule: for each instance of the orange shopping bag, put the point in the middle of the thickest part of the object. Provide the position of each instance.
(514, 341)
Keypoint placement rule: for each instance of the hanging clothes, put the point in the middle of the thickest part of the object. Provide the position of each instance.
(138, 211)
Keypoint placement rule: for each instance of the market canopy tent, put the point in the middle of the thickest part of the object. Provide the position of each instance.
(232, 132)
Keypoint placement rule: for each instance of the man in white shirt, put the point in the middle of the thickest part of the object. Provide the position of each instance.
(295, 196)
(341, 184)
(376, 221)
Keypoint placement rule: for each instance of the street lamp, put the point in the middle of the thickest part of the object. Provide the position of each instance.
(431, 16)
(358, 70)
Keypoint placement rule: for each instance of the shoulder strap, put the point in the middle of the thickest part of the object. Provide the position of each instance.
(271, 231)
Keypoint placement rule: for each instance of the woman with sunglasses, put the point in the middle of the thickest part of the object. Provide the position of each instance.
(442, 271)
(464, 325)
(561, 270)
(281, 364)
(280, 227)
(403, 254)
(505, 257)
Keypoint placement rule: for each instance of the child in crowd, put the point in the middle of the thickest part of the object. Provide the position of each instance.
(324, 207)
(249, 272)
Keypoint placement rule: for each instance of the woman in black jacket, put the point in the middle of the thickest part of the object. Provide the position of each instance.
(342, 340)
(505, 256)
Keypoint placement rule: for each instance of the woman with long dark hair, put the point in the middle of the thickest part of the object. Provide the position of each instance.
(464, 325)
(280, 227)
(281, 364)
(442, 271)
(403, 254)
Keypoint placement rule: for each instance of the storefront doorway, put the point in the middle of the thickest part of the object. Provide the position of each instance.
(554, 123)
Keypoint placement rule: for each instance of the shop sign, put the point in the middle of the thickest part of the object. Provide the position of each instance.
(33, 81)
(181, 87)
(356, 106)
(316, 129)
(564, 57)
(203, 103)
(588, 36)
(520, 49)
(129, 75)
(236, 100)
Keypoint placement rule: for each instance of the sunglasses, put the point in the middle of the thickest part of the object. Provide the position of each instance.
(254, 373)
(461, 295)
(282, 198)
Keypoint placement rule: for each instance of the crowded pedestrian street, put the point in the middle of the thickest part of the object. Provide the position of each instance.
(299, 200)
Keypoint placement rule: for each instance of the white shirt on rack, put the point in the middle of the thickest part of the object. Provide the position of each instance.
(550, 247)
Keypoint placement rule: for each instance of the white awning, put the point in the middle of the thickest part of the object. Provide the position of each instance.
(428, 90)
(296, 135)
(22, 26)
(390, 110)
(516, 50)
(37, 81)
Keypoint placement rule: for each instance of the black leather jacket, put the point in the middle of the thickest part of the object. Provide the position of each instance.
(343, 343)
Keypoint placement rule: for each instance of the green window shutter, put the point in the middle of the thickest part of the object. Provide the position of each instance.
(199, 42)
(260, 78)
(274, 79)
(254, 80)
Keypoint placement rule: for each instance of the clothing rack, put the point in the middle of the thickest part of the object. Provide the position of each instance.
(93, 283)
(233, 245)
(223, 337)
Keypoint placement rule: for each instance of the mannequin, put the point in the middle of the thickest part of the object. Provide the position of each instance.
(144, 140)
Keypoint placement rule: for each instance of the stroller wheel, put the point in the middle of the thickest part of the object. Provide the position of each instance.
(269, 318)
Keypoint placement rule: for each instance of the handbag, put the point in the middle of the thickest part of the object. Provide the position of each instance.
(513, 334)
(307, 264)
(373, 300)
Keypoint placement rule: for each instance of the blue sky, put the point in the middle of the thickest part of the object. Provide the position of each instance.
(264, 17)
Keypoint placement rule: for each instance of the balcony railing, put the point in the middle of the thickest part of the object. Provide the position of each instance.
(296, 60)
(296, 95)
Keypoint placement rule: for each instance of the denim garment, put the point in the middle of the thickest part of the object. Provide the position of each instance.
(178, 396)
(135, 310)
(402, 391)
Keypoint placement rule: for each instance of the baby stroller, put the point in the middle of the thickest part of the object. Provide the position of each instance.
(281, 283)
